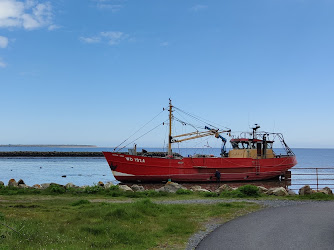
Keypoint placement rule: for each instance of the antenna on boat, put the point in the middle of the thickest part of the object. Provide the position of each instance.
(256, 127)
(170, 128)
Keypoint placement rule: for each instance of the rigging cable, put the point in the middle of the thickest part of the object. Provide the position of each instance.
(138, 130)
(200, 119)
(142, 135)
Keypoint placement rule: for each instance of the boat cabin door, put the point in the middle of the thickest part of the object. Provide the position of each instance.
(259, 149)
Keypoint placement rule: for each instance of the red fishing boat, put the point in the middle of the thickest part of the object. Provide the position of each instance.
(251, 157)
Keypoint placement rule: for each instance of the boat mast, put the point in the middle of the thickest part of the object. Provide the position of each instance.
(170, 128)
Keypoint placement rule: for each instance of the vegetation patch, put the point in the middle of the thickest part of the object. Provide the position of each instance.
(72, 223)
(80, 202)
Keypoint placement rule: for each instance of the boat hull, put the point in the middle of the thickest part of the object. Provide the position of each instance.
(131, 168)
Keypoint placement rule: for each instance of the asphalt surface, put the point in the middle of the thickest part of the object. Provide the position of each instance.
(303, 226)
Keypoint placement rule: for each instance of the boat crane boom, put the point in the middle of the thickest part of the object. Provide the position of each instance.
(217, 135)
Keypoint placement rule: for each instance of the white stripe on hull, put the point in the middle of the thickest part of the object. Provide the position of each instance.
(115, 173)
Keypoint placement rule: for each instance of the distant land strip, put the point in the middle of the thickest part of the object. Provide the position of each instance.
(50, 154)
(49, 145)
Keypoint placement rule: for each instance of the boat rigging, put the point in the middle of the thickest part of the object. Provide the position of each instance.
(251, 158)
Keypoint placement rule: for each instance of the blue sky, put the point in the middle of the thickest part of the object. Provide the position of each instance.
(94, 71)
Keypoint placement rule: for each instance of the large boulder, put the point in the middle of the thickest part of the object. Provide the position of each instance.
(125, 188)
(281, 191)
(262, 190)
(12, 183)
(198, 189)
(100, 183)
(195, 188)
(2, 183)
(45, 185)
(108, 185)
(270, 191)
(70, 185)
(37, 186)
(162, 189)
(306, 190)
(291, 192)
(202, 190)
(137, 188)
(223, 187)
(326, 190)
(172, 187)
(20, 182)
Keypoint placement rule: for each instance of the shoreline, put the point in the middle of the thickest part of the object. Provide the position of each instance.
(48, 145)
(49, 154)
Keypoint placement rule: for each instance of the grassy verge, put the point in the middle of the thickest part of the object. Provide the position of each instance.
(114, 192)
(59, 222)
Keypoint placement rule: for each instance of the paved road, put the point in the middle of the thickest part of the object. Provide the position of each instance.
(306, 226)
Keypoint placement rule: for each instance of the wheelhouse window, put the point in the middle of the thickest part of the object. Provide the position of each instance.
(240, 145)
(234, 145)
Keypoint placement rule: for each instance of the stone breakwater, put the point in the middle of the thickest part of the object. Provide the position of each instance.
(50, 154)
(173, 187)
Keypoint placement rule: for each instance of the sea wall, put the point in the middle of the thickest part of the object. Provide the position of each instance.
(50, 154)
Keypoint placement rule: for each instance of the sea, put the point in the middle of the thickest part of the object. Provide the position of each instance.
(315, 166)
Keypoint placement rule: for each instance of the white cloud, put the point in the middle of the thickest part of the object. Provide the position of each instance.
(198, 7)
(164, 44)
(114, 37)
(2, 64)
(113, 5)
(90, 39)
(110, 37)
(53, 27)
(29, 14)
(3, 42)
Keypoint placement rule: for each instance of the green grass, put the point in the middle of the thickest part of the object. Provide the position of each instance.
(72, 223)
(94, 217)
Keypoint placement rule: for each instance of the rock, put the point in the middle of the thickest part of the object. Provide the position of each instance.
(70, 185)
(64, 176)
(45, 185)
(84, 186)
(108, 184)
(326, 190)
(306, 190)
(195, 188)
(137, 188)
(270, 191)
(281, 191)
(202, 190)
(1, 183)
(222, 188)
(100, 183)
(125, 188)
(291, 192)
(262, 190)
(12, 183)
(172, 187)
(198, 189)
(37, 186)
(22, 186)
(20, 182)
(162, 189)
